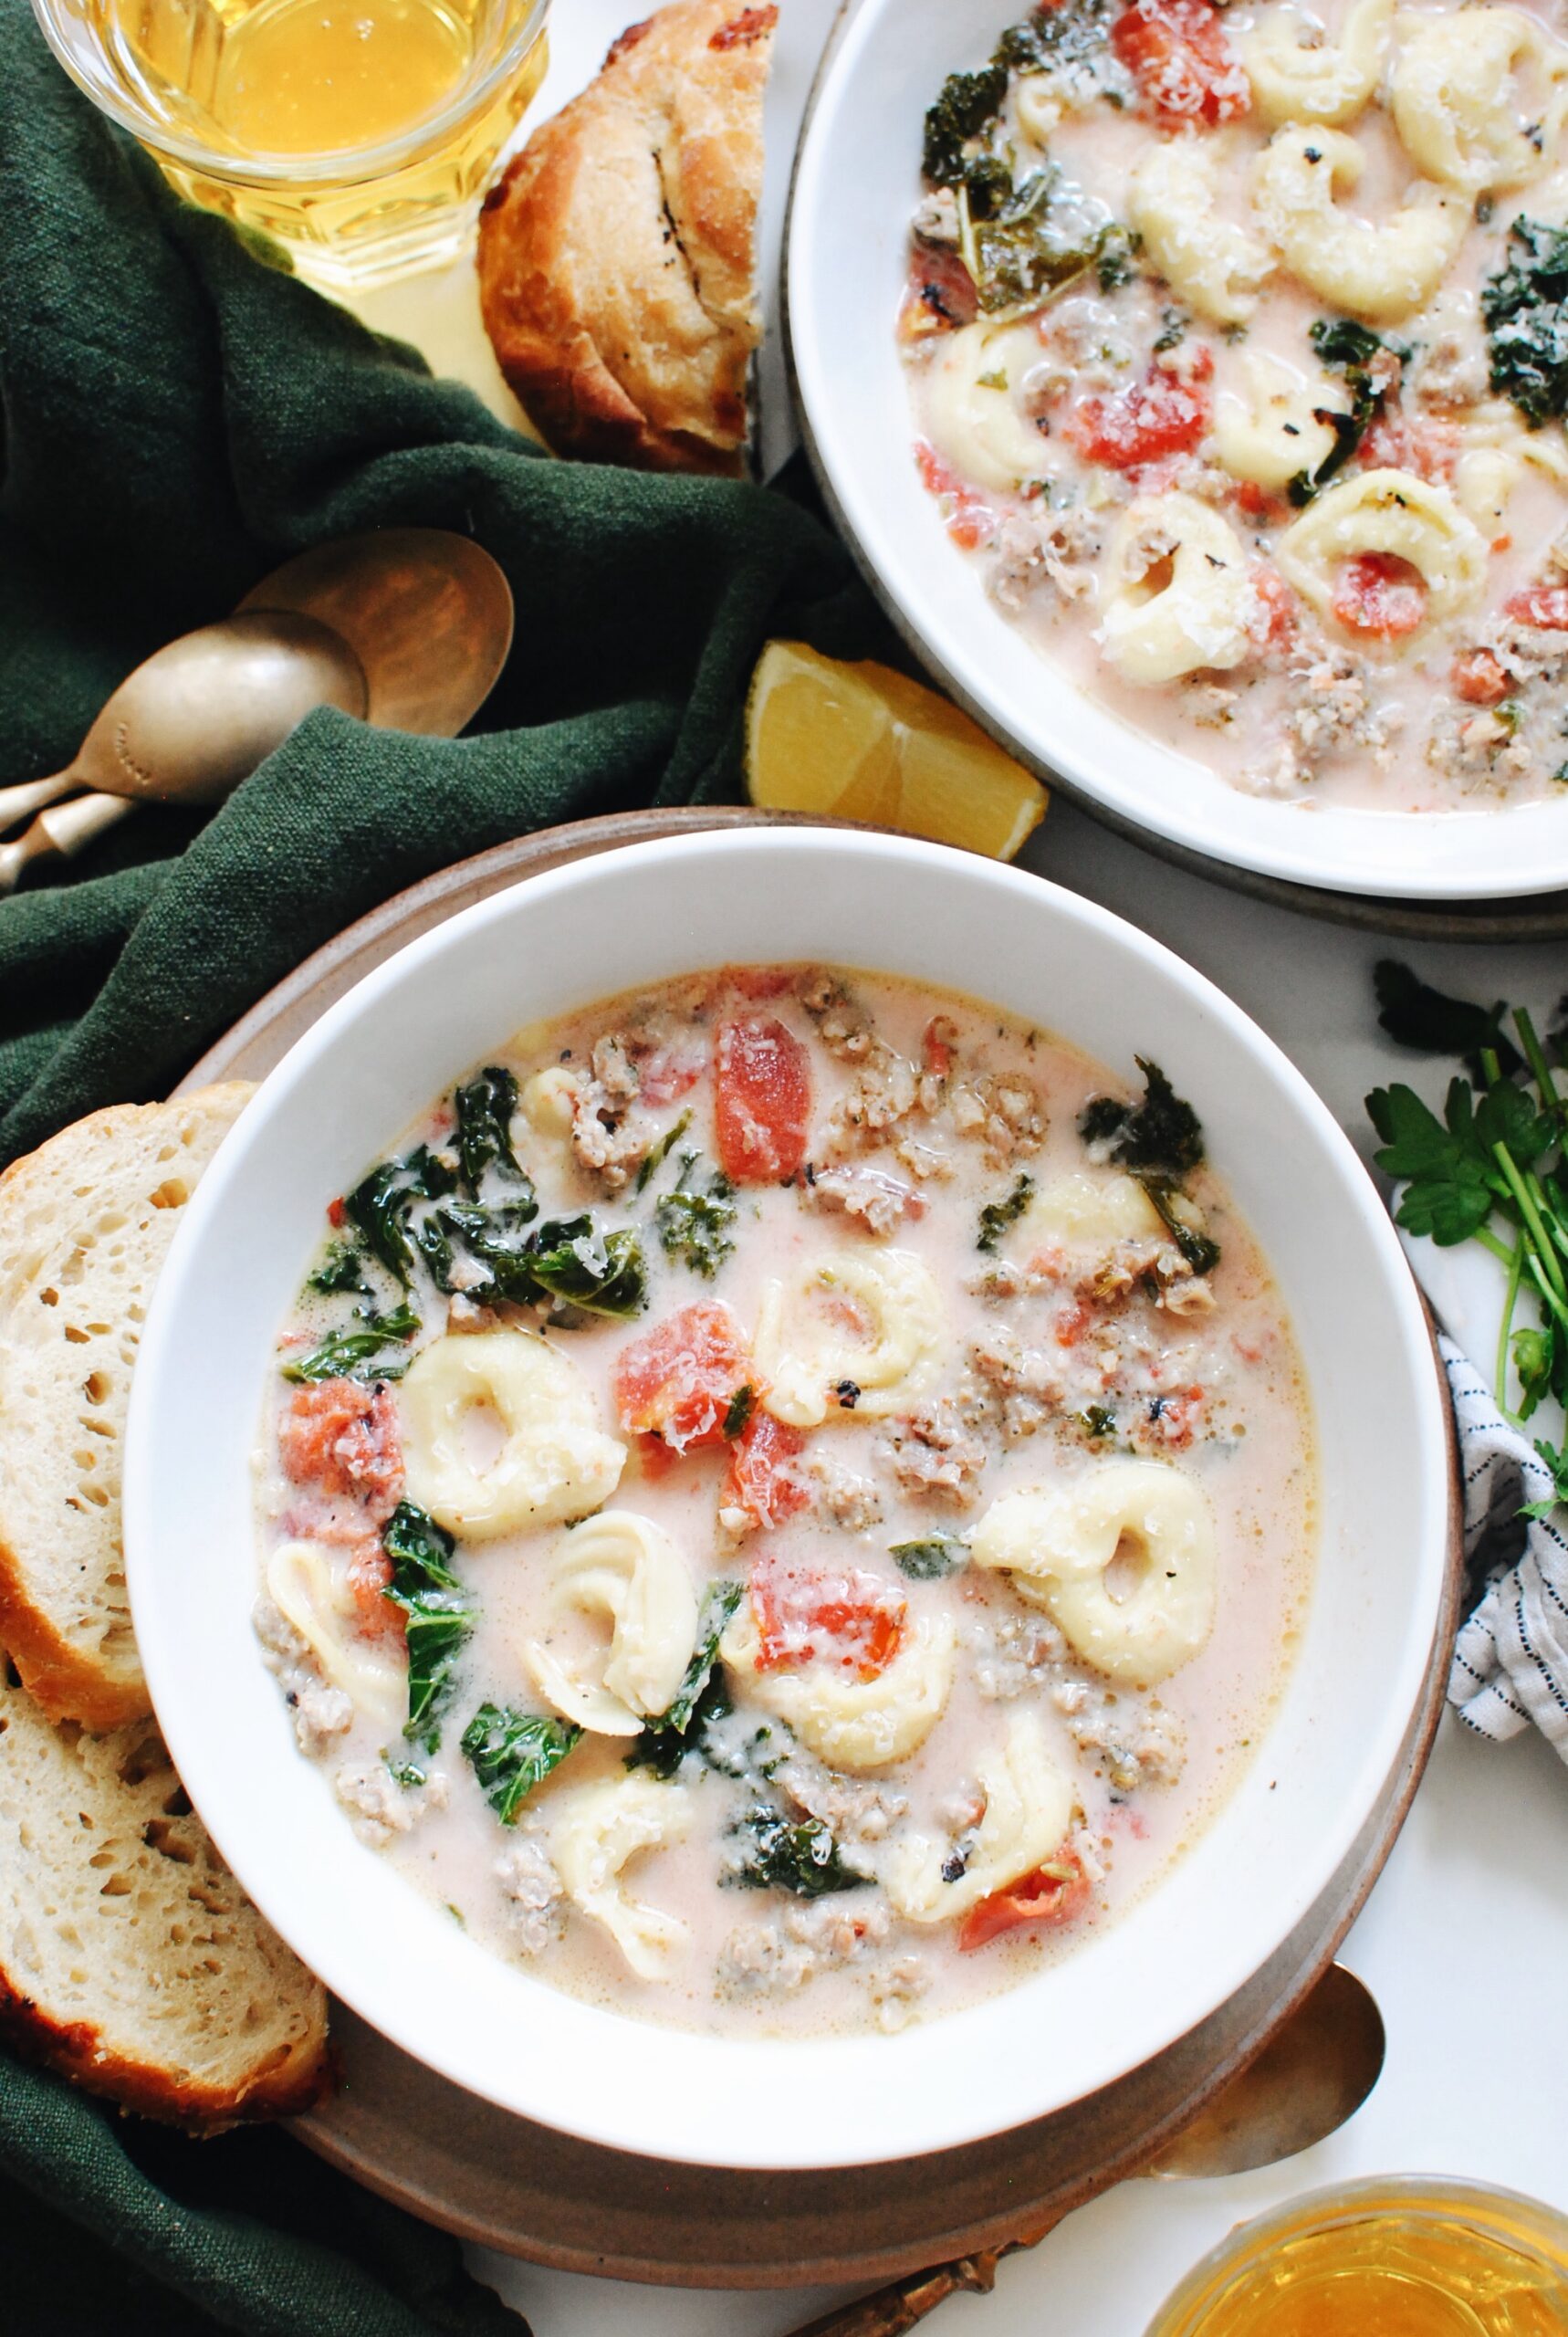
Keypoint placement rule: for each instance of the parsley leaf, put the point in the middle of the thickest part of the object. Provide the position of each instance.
(1449, 1182)
(511, 1753)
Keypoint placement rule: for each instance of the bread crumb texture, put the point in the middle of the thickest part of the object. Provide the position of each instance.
(85, 1225)
(130, 1958)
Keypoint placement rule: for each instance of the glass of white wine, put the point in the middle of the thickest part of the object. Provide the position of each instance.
(359, 134)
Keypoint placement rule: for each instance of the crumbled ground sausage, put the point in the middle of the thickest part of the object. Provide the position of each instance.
(777, 1957)
(935, 1452)
(379, 1808)
(321, 1712)
(536, 1895)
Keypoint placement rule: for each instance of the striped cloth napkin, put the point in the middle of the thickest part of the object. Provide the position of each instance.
(1511, 1658)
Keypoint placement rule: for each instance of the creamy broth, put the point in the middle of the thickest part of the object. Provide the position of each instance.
(1332, 569)
(928, 1342)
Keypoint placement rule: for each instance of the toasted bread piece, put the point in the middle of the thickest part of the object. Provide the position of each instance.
(85, 1224)
(130, 1958)
(618, 255)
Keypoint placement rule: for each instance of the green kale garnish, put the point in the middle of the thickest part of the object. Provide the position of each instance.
(934, 1556)
(407, 1773)
(485, 1106)
(801, 1857)
(719, 1602)
(605, 1274)
(1430, 1023)
(1026, 243)
(1159, 1142)
(342, 1269)
(742, 1404)
(968, 104)
(358, 1351)
(1349, 349)
(511, 1753)
(1557, 1462)
(661, 1152)
(997, 1216)
(1047, 37)
(697, 1223)
(440, 1614)
(382, 1205)
(1097, 1420)
(661, 1750)
(1525, 308)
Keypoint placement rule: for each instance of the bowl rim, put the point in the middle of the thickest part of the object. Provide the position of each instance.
(1170, 803)
(713, 2138)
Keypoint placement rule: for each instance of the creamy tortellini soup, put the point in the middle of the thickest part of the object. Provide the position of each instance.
(787, 1501)
(1239, 353)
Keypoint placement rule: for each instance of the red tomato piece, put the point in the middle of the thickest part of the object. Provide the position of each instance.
(941, 293)
(1180, 56)
(762, 1481)
(1155, 418)
(1546, 605)
(937, 1045)
(336, 1211)
(369, 1571)
(1479, 678)
(1053, 1893)
(1380, 594)
(762, 1100)
(676, 1384)
(1278, 603)
(804, 1616)
(340, 1437)
(1402, 442)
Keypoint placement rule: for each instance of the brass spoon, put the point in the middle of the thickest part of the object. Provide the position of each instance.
(409, 628)
(1312, 2075)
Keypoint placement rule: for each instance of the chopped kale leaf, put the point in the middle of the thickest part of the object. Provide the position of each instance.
(440, 1614)
(358, 1351)
(1162, 1136)
(512, 1752)
(719, 1603)
(697, 1223)
(742, 1404)
(381, 1204)
(342, 1269)
(1027, 242)
(968, 104)
(801, 1857)
(407, 1773)
(661, 1152)
(1349, 349)
(1047, 37)
(605, 1274)
(1525, 309)
(934, 1556)
(485, 1106)
(997, 1216)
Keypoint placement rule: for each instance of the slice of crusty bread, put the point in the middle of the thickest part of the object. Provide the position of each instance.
(85, 1224)
(130, 1958)
(617, 254)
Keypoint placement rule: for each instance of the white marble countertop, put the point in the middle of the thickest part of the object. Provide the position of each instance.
(1474, 1899)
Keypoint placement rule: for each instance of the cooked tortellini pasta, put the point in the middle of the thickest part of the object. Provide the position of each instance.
(1028, 1812)
(876, 1322)
(627, 1571)
(1388, 511)
(513, 1392)
(1383, 271)
(549, 1100)
(1269, 431)
(1090, 1215)
(1177, 594)
(1293, 80)
(313, 1595)
(1216, 265)
(1497, 453)
(976, 377)
(1459, 103)
(594, 1832)
(1061, 1547)
(849, 1722)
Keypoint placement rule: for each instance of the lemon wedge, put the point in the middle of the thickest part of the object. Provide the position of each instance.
(862, 742)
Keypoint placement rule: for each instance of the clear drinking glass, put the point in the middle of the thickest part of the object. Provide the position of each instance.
(1412, 2255)
(360, 134)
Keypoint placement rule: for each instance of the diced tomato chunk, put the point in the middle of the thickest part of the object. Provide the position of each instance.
(1381, 594)
(937, 1045)
(762, 1478)
(676, 1384)
(1401, 442)
(1546, 605)
(1154, 417)
(762, 1100)
(1479, 678)
(369, 1571)
(1053, 1893)
(336, 1211)
(340, 1437)
(1180, 56)
(804, 1616)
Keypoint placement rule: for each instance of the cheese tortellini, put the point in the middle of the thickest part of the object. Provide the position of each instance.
(513, 1392)
(1059, 1547)
(594, 1831)
(1383, 271)
(1328, 84)
(1029, 1809)
(314, 1595)
(1270, 431)
(1388, 511)
(1173, 204)
(976, 419)
(1090, 1216)
(1177, 594)
(1457, 102)
(876, 1322)
(1497, 453)
(626, 1570)
(849, 1722)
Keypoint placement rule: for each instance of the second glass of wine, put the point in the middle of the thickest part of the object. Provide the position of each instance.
(358, 134)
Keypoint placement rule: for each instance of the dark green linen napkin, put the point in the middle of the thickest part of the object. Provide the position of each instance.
(177, 418)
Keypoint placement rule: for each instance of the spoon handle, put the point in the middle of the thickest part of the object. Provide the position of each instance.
(68, 829)
(21, 803)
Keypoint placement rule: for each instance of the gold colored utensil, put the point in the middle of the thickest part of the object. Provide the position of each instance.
(1313, 2074)
(408, 628)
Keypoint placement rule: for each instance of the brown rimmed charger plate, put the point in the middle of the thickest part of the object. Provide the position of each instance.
(530, 2192)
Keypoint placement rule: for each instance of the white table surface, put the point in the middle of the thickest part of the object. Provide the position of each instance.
(1473, 1904)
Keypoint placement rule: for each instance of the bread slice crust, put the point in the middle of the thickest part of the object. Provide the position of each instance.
(618, 253)
(85, 1224)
